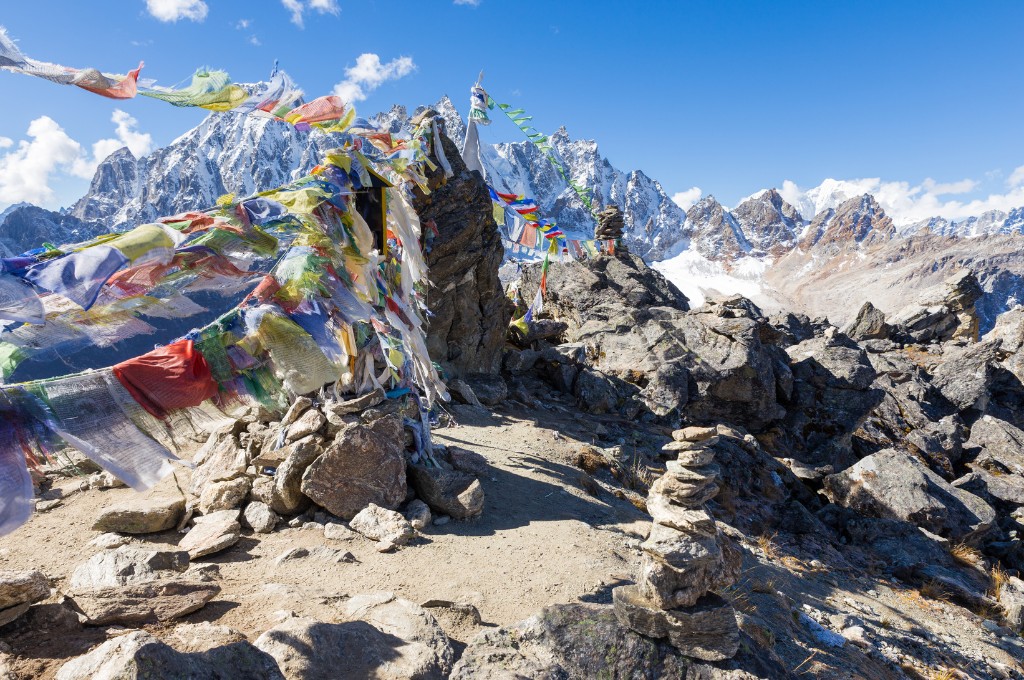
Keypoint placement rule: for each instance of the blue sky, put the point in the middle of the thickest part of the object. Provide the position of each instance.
(917, 101)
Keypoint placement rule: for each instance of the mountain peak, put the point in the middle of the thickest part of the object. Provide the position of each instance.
(857, 220)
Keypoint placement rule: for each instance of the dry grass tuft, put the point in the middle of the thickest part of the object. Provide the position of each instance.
(945, 674)
(997, 579)
(967, 554)
(767, 546)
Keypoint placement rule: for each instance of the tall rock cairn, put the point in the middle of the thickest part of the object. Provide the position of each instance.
(610, 223)
(684, 559)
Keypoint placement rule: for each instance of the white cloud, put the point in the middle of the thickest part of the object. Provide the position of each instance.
(139, 143)
(243, 24)
(686, 199)
(369, 73)
(26, 171)
(299, 7)
(253, 40)
(6, 142)
(173, 10)
(904, 202)
(471, 3)
(1016, 177)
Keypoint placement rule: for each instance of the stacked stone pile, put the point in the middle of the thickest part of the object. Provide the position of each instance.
(610, 223)
(685, 558)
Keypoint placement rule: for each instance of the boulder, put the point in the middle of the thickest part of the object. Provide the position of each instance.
(467, 461)
(224, 495)
(126, 565)
(832, 396)
(706, 631)
(221, 458)
(469, 310)
(335, 411)
(308, 423)
(896, 485)
(965, 376)
(22, 587)
(993, 488)
(159, 509)
(448, 492)
(943, 312)
(870, 324)
(381, 524)
(365, 464)
(286, 495)
(490, 390)
(996, 445)
(138, 654)
(296, 409)
(260, 518)
(306, 648)
(409, 622)
(588, 641)
(212, 533)
(463, 393)
(142, 603)
(418, 514)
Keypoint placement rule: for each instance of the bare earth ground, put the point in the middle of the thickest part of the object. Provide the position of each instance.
(548, 534)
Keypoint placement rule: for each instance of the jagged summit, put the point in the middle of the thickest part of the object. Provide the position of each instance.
(857, 220)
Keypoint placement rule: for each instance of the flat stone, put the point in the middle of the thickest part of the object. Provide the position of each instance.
(365, 464)
(12, 613)
(697, 520)
(19, 587)
(381, 524)
(309, 423)
(338, 532)
(159, 509)
(691, 494)
(109, 541)
(221, 458)
(668, 587)
(127, 565)
(690, 446)
(706, 631)
(224, 495)
(212, 533)
(449, 492)
(680, 549)
(143, 603)
(695, 433)
(260, 518)
(690, 459)
(335, 410)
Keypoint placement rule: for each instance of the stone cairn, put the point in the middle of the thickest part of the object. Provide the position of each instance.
(610, 223)
(684, 559)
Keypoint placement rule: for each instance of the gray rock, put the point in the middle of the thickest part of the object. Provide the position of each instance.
(365, 464)
(596, 392)
(105, 480)
(224, 495)
(337, 410)
(286, 496)
(338, 532)
(996, 445)
(12, 614)
(126, 565)
(418, 514)
(109, 541)
(296, 409)
(20, 587)
(450, 492)
(469, 310)
(142, 603)
(966, 375)
(706, 631)
(490, 390)
(221, 458)
(467, 461)
(381, 524)
(159, 509)
(870, 324)
(137, 655)
(409, 622)
(1011, 599)
(588, 641)
(943, 312)
(894, 484)
(982, 483)
(212, 533)
(308, 423)
(260, 518)
(463, 393)
(306, 648)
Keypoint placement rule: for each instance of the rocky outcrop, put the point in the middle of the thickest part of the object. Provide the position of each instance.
(870, 324)
(468, 309)
(943, 312)
(684, 559)
(890, 484)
